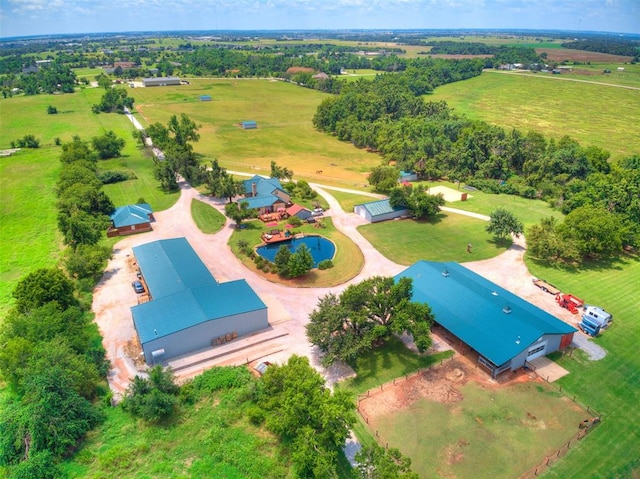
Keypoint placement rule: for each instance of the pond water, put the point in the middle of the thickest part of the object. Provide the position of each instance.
(321, 248)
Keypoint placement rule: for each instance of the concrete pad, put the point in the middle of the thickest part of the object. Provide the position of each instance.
(449, 193)
(276, 313)
(547, 369)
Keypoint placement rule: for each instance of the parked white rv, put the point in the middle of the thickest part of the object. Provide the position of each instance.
(597, 315)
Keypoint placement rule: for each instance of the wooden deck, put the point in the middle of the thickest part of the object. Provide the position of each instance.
(270, 238)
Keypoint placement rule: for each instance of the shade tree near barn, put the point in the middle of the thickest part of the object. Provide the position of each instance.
(364, 315)
(503, 223)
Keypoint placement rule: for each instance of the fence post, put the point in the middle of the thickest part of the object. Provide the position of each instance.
(569, 445)
(561, 388)
(377, 435)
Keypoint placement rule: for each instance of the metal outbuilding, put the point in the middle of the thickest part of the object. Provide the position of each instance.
(379, 210)
(189, 310)
(503, 328)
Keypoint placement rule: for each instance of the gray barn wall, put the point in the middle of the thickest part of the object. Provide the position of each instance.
(200, 336)
(553, 344)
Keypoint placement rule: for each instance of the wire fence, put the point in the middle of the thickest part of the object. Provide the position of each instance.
(547, 461)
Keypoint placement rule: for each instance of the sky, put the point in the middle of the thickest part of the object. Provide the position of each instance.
(38, 17)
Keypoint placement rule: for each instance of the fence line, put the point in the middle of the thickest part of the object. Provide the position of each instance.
(584, 428)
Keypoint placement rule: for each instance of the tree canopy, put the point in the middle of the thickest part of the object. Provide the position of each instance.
(365, 314)
(503, 223)
(310, 419)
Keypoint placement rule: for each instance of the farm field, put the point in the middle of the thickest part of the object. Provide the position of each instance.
(560, 54)
(551, 107)
(615, 287)
(443, 239)
(285, 132)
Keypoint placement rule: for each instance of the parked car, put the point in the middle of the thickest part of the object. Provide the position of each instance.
(317, 212)
(137, 287)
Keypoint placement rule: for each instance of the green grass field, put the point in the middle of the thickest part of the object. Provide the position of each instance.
(348, 260)
(443, 239)
(528, 211)
(285, 133)
(497, 433)
(209, 439)
(349, 200)
(29, 231)
(592, 114)
(612, 385)
(208, 219)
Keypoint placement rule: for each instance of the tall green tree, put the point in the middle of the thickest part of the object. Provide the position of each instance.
(300, 262)
(503, 223)
(154, 398)
(108, 145)
(376, 462)
(43, 286)
(311, 420)
(364, 315)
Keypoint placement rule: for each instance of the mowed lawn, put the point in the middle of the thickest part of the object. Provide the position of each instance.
(285, 132)
(604, 116)
(443, 239)
(611, 385)
(497, 433)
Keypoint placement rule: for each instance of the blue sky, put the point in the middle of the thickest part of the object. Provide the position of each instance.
(34, 17)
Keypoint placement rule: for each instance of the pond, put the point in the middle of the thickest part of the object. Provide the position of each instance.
(321, 248)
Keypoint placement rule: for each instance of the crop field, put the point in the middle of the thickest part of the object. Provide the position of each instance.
(592, 114)
(285, 132)
(559, 54)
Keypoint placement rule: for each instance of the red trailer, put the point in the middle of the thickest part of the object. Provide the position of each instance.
(570, 302)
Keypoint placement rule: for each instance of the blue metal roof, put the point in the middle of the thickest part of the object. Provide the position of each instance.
(261, 201)
(264, 186)
(471, 307)
(381, 207)
(170, 266)
(131, 215)
(184, 309)
(183, 290)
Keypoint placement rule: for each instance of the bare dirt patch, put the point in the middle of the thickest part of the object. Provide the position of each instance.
(449, 194)
(567, 54)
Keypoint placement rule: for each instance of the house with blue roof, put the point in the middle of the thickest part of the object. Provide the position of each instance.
(188, 309)
(379, 210)
(130, 219)
(505, 330)
(265, 195)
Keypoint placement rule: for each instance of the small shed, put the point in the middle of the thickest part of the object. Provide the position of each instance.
(131, 219)
(379, 210)
(249, 125)
(408, 176)
(205, 97)
(299, 211)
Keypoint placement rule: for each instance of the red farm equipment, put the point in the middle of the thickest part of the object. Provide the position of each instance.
(570, 302)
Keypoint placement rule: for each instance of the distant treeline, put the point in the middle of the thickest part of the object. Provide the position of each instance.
(501, 54)
(387, 115)
(621, 47)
